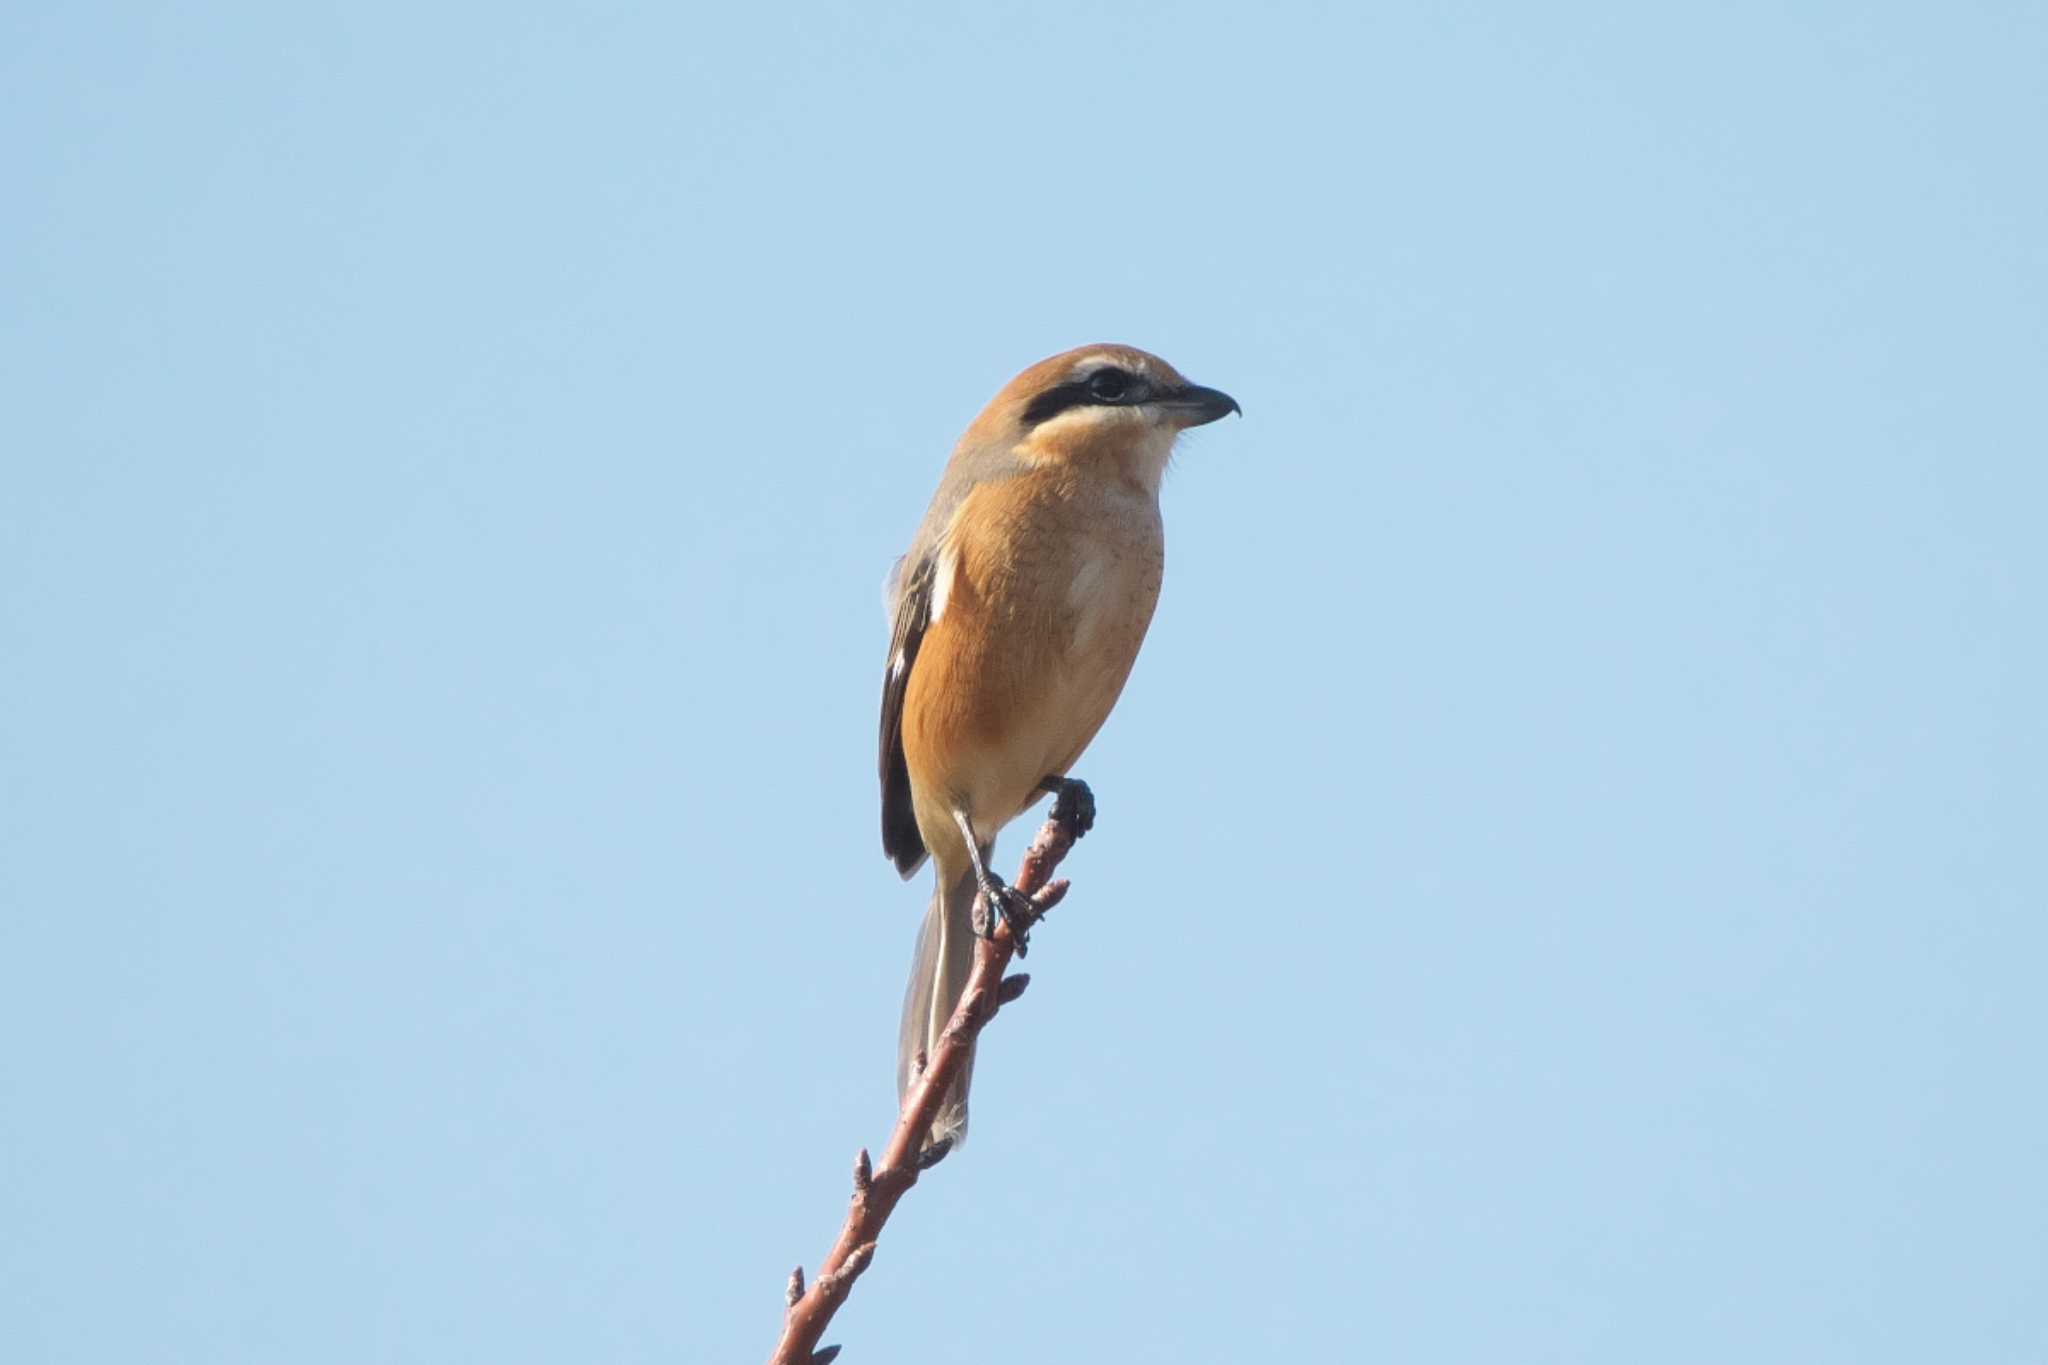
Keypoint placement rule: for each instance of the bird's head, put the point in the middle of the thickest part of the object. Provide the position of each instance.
(1098, 403)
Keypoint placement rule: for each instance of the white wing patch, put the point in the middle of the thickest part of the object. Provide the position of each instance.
(942, 584)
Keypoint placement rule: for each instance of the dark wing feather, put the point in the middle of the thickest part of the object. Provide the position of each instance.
(900, 838)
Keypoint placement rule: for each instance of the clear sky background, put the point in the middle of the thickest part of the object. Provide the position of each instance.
(1570, 879)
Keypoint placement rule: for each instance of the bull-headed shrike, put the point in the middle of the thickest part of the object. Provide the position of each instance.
(1017, 614)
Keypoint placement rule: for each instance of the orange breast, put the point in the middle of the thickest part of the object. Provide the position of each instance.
(1053, 578)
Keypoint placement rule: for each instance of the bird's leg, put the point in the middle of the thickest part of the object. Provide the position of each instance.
(1073, 805)
(997, 896)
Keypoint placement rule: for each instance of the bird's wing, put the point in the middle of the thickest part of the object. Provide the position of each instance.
(912, 589)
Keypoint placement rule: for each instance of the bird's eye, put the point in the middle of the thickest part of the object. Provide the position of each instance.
(1109, 385)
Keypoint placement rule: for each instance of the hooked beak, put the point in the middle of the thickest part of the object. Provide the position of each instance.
(1194, 405)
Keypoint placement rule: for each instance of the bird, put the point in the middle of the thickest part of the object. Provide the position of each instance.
(1016, 615)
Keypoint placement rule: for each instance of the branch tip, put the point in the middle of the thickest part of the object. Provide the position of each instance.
(876, 1189)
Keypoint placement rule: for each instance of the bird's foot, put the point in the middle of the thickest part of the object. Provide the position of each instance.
(1073, 805)
(1013, 905)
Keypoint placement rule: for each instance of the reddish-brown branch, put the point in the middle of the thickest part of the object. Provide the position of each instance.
(876, 1191)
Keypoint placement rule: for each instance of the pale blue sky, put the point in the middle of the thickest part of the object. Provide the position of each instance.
(1570, 880)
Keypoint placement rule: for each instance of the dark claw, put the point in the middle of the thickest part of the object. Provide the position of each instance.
(1020, 914)
(1073, 805)
(1013, 905)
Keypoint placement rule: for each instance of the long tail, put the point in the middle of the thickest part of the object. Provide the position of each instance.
(938, 975)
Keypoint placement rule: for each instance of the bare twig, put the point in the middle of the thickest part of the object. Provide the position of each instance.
(876, 1190)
